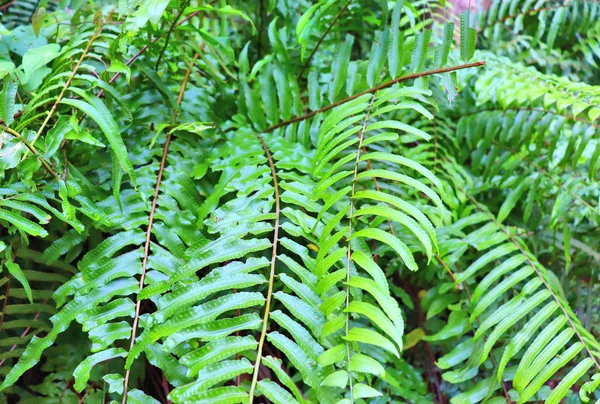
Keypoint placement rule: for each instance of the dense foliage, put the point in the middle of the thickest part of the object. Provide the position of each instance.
(299, 201)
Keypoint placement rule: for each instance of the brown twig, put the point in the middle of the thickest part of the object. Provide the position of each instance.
(169, 32)
(7, 5)
(373, 90)
(145, 47)
(337, 17)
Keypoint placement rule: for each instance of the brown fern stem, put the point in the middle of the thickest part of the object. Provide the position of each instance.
(263, 332)
(145, 261)
(373, 90)
(337, 17)
(149, 233)
(169, 32)
(145, 47)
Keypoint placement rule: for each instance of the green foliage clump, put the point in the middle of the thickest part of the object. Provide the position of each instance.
(299, 202)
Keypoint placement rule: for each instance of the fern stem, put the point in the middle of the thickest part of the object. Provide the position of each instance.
(169, 32)
(263, 332)
(138, 304)
(511, 237)
(337, 17)
(373, 90)
(149, 233)
(361, 137)
(145, 47)
(70, 79)
(31, 148)
(493, 360)
(437, 255)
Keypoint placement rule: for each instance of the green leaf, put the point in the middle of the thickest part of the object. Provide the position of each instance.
(367, 336)
(82, 372)
(96, 110)
(210, 376)
(332, 355)
(38, 19)
(378, 318)
(554, 27)
(361, 390)
(215, 352)
(401, 249)
(116, 66)
(136, 396)
(22, 223)
(36, 58)
(395, 52)
(336, 379)
(339, 67)
(274, 392)
(511, 200)
(7, 100)
(569, 380)
(468, 36)
(448, 40)
(276, 366)
(15, 270)
(419, 55)
(365, 364)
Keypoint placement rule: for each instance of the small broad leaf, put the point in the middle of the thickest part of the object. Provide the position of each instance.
(366, 364)
(336, 379)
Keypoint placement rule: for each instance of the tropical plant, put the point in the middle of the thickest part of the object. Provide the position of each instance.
(296, 202)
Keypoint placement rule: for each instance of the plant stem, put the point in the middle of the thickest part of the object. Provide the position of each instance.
(171, 28)
(372, 90)
(32, 149)
(263, 332)
(337, 17)
(138, 304)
